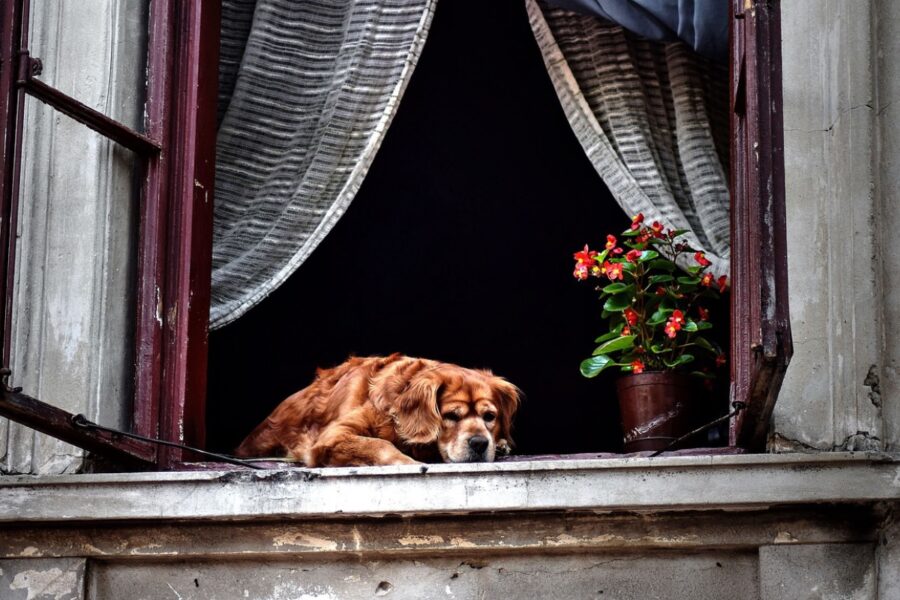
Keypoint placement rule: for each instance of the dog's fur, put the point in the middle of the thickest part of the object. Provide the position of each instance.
(388, 411)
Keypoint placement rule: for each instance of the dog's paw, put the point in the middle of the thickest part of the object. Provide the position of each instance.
(503, 448)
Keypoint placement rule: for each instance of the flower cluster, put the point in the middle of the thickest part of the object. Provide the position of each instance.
(657, 314)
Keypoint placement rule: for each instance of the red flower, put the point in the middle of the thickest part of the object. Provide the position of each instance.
(626, 330)
(610, 242)
(657, 229)
(636, 221)
(637, 367)
(660, 290)
(613, 270)
(704, 314)
(631, 316)
(581, 272)
(701, 259)
(642, 238)
(721, 360)
(617, 251)
(674, 323)
(585, 257)
(723, 284)
(633, 255)
(706, 280)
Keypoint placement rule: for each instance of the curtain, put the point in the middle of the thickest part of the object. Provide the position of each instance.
(701, 24)
(651, 117)
(307, 92)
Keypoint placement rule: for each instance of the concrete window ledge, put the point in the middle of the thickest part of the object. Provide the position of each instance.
(741, 482)
(768, 527)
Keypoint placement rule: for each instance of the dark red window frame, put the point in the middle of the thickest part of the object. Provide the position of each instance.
(177, 150)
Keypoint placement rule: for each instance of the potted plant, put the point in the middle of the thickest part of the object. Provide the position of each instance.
(658, 327)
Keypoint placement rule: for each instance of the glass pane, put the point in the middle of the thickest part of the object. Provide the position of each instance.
(74, 287)
(94, 51)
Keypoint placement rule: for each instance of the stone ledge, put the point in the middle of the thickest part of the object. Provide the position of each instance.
(635, 484)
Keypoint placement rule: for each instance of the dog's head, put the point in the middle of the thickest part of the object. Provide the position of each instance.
(467, 413)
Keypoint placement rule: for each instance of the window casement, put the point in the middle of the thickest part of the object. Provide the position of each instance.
(177, 151)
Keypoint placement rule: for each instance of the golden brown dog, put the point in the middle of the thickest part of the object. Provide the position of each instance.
(389, 411)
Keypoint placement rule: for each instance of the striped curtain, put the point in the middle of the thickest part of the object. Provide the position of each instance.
(652, 118)
(307, 91)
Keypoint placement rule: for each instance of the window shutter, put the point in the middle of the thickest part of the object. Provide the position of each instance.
(761, 337)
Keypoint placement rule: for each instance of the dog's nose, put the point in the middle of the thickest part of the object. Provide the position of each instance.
(478, 444)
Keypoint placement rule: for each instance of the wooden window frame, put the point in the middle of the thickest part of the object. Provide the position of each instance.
(177, 150)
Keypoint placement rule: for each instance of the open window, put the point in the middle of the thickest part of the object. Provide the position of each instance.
(176, 152)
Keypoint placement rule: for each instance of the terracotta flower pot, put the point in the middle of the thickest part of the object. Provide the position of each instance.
(655, 408)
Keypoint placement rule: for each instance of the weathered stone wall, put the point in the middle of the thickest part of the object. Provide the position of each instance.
(842, 159)
(747, 527)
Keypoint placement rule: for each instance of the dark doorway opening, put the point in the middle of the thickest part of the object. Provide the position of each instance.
(458, 247)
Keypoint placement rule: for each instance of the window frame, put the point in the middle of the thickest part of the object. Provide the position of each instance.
(176, 152)
(175, 231)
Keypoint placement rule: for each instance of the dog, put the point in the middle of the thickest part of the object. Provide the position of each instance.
(392, 410)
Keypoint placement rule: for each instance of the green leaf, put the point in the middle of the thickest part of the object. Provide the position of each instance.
(662, 263)
(591, 367)
(617, 303)
(605, 314)
(690, 326)
(631, 232)
(681, 360)
(621, 343)
(659, 349)
(704, 343)
(648, 255)
(612, 334)
(703, 375)
(661, 279)
(695, 270)
(689, 280)
(602, 256)
(659, 316)
(680, 232)
(617, 288)
(701, 325)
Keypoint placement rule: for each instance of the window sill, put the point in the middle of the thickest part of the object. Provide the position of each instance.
(611, 485)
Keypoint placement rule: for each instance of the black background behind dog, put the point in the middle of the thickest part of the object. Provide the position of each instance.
(458, 247)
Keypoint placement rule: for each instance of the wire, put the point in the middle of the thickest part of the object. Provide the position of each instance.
(84, 423)
(738, 407)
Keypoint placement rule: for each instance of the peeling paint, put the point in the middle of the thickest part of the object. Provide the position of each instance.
(43, 584)
(462, 543)
(301, 539)
(420, 540)
(30, 551)
(872, 381)
(785, 537)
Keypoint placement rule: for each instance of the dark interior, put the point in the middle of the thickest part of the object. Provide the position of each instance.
(458, 247)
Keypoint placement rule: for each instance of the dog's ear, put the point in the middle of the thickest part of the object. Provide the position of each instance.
(508, 397)
(418, 417)
(413, 405)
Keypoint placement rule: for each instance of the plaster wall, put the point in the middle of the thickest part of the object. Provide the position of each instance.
(841, 75)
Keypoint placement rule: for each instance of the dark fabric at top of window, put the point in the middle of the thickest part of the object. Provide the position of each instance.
(702, 24)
